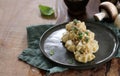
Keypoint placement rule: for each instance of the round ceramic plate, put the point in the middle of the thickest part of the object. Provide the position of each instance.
(52, 47)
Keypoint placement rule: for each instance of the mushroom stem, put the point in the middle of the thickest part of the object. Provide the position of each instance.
(108, 10)
(101, 15)
(117, 21)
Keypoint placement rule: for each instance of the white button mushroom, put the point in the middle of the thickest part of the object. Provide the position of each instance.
(107, 10)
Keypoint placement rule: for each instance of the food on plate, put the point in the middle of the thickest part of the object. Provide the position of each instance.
(80, 41)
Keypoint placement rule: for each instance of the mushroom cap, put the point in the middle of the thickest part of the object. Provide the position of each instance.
(110, 8)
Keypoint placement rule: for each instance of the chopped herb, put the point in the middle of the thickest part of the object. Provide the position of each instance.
(80, 35)
(70, 61)
(86, 33)
(86, 39)
(74, 28)
(52, 52)
(45, 10)
(75, 21)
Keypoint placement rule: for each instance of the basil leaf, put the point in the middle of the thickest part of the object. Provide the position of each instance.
(45, 10)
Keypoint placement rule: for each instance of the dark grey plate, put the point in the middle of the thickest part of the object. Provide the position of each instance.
(51, 40)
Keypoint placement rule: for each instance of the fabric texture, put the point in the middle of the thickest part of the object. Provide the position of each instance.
(33, 56)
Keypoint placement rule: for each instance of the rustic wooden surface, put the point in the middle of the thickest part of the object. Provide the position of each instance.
(15, 16)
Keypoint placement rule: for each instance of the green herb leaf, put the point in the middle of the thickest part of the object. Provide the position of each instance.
(52, 52)
(80, 35)
(86, 39)
(45, 10)
(86, 33)
(74, 28)
(75, 21)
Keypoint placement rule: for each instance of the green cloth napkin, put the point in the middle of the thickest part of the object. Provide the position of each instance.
(33, 56)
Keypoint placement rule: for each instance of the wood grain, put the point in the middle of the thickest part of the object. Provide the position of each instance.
(15, 16)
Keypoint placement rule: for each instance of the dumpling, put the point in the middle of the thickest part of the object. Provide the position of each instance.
(84, 58)
(69, 26)
(65, 37)
(81, 26)
(90, 47)
(79, 46)
(90, 34)
(72, 36)
(94, 46)
(70, 46)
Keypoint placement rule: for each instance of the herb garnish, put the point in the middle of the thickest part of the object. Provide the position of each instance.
(80, 35)
(45, 10)
(86, 32)
(86, 39)
(75, 21)
(74, 29)
(52, 52)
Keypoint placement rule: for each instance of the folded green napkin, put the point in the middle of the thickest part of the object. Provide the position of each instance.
(33, 56)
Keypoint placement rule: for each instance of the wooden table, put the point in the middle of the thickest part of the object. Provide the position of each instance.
(15, 16)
